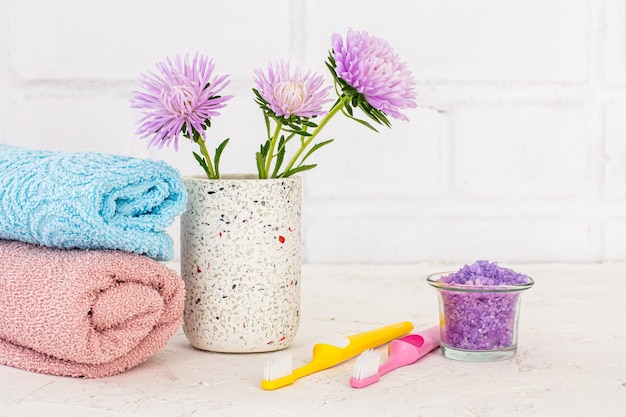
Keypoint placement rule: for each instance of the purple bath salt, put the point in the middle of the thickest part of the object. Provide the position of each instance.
(485, 273)
(478, 315)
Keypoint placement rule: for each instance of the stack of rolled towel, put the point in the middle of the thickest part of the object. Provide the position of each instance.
(82, 289)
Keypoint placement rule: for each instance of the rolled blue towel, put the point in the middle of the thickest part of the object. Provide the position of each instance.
(89, 200)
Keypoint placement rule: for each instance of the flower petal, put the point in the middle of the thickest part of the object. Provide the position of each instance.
(369, 65)
(183, 93)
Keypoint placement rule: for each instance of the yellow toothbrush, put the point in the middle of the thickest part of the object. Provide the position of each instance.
(278, 371)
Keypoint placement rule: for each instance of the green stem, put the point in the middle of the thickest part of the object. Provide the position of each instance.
(306, 142)
(207, 159)
(270, 152)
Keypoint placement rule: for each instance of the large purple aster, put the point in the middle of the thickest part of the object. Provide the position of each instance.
(369, 65)
(288, 93)
(180, 99)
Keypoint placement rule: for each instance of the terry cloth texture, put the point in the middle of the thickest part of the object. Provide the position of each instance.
(84, 313)
(89, 200)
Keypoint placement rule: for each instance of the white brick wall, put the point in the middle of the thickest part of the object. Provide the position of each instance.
(517, 152)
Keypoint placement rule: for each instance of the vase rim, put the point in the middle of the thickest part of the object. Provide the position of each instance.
(238, 177)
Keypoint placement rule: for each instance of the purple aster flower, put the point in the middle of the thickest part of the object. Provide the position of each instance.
(369, 65)
(180, 99)
(288, 94)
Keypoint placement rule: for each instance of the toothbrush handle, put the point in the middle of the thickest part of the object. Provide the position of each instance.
(373, 338)
(432, 339)
(428, 340)
(326, 355)
(394, 361)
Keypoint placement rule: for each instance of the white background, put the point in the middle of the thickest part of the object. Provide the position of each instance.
(516, 152)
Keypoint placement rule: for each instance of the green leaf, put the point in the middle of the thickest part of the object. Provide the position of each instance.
(348, 108)
(264, 149)
(293, 126)
(288, 138)
(267, 124)
(218, 154)
(296, 170)
(280, 155)
(375, 114)
(299, 132)
(259, 98)
(314, 148)
(363, 122)
(203, 164)
(260, 166)
(196, 135)
(331, 64)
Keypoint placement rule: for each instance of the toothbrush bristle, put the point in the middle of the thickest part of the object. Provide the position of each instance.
(366, 364)
(278, 367)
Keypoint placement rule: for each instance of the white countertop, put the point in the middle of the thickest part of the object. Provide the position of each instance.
(571, 359)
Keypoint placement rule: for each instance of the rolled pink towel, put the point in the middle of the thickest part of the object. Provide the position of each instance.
(84, 313)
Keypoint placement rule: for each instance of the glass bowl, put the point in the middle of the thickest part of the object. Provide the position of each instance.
(478, 322)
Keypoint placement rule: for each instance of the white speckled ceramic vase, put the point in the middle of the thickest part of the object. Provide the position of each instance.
(241, 260)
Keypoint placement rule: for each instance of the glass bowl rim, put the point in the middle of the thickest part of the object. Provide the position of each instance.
(433, 280)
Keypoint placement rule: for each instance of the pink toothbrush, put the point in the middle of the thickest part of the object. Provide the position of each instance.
(403, 351)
